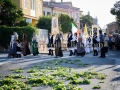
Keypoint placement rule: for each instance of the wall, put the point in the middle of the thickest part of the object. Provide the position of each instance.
(43, 35)
(26, 11)
(47, 9)
(111, 28)
(38, 14)
(56, 11)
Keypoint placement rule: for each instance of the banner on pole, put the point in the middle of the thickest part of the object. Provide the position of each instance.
(55, 29)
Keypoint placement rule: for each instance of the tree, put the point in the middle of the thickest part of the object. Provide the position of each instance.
(1, 4)
(22, 23)
(65, 23)
(9, 14)
(44, 22)
(116, 11)
(87, 19)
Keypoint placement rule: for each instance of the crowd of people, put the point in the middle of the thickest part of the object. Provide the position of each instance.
(79, 45)
(19, 48)
(76, 44)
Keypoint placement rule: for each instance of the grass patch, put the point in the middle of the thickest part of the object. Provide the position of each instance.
(96, 87)
(54, 73)
(17, 70)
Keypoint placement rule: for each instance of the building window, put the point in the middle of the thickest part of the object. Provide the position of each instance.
(32, 4)
(28, 20)
(48, 13)
(38, 7)
(44, 13)
(25, 4)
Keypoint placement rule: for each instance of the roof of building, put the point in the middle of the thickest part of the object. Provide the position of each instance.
(112, 23)
(54, 4)
(65, 3)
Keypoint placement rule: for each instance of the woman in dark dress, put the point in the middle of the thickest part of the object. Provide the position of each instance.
(25, 49)
(58, 50)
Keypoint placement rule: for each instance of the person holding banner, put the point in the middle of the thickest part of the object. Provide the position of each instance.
(70, 43)
(50, 43)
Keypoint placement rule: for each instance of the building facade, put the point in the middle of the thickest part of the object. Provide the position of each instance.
(113, 28)
(32, 9)
(52, 8)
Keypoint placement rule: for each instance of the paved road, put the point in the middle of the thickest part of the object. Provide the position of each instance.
(109, 65)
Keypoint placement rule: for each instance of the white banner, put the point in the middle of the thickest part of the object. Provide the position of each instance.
(55, 29)
(95, 28)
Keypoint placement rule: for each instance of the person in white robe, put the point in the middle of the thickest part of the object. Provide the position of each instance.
(91, 49)
(12, 41)
(88, 45)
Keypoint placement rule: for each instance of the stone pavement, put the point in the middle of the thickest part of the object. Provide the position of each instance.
(109, 65)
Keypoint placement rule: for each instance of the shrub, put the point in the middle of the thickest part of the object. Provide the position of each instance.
(6, 32)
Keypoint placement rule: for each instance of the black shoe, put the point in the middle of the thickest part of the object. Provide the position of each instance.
(102, 57)
(70, 55)
(51, 52)
(56, 57)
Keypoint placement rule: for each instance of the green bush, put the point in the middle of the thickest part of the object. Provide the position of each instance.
(6, 32)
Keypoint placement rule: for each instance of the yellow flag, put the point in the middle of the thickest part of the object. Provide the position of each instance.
(85, 33)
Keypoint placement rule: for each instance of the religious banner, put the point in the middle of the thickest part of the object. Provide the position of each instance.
(55, 29)
(95, 29)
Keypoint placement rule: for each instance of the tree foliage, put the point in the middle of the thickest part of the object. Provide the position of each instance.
(9, 13)
(86, 19)
(22, 23)
(6, 32)
(65, 21)
(116, 11)
(44, 22)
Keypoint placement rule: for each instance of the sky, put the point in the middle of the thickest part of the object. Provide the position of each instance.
(97, 8)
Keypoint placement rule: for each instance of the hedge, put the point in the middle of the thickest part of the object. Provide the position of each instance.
(6, 32)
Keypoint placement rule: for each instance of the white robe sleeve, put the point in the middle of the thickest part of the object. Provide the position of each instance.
(83, 40)
(98, 40)
(37, 40)
(73, 38)
(61, 39)
(53, 40)
(91, 40)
